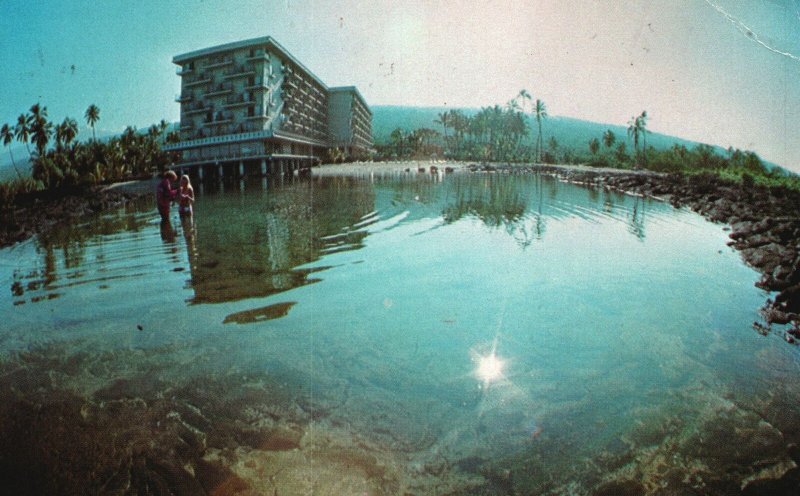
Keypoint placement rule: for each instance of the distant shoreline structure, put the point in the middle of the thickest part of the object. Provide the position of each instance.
(252, 104)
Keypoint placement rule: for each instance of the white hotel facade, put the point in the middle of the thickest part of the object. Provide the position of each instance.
(253, 106)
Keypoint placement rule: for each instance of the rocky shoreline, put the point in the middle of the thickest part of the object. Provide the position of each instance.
(764, 223)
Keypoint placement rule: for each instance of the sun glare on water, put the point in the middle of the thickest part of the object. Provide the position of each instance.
(490, 368)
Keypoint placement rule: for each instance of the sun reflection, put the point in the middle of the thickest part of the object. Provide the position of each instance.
(490, 368)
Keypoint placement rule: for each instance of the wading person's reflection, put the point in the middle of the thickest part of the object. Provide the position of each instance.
(168, 233)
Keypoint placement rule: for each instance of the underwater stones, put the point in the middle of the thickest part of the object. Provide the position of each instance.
(135, 387)
(215, 478)
(278, 439)
(785, 485)
(620, 488)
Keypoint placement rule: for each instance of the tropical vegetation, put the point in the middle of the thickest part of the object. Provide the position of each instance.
(516, 132)
(494, 133)
(59, 161)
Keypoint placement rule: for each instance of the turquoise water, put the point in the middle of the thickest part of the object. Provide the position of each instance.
(471, 334)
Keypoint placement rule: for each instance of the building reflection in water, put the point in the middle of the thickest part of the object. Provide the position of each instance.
(249, 244)
(256, 241)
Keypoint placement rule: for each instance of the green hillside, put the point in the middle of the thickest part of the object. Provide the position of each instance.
(569, 132)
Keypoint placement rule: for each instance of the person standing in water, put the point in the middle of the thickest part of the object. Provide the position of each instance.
(185, 197)
(165, 194)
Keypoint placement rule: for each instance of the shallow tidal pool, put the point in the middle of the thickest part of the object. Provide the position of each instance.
(398, 334)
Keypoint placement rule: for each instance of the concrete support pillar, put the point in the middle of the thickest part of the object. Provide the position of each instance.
(241, 168)
(263, 167)
(221, 172)
(200, 172)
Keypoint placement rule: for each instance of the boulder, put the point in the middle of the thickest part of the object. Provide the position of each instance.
(741, 230)
(788, 300)
(767, 257)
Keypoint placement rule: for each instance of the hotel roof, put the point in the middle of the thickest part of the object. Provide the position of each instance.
(268, 41)
(354, 90)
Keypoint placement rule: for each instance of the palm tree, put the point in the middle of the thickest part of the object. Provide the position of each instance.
(609, 138)
(41, 130)
(444, 120)
(66, 132)
(638, 126)
(60, 130)
(398, 137)
(643, 129)
(70, 130)
(7, 135)
(22, 131)
(633, 131)
(92, 115)
(37, 113)
(522, 96)
(540, 110)
(594, 146)
(460, 124)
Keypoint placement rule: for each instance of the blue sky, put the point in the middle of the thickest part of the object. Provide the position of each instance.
(719, 71)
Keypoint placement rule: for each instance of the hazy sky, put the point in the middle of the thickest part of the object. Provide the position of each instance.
(719, 71)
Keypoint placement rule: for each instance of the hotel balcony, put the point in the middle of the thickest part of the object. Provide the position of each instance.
(238, 101)
(187, 127)
(181, 71)
(246, 127)
(220, 118)
(258, 113)
(219, 62)
(256, 84)
(196, 108)
(240, 71)
(258, 55)
(183, 98)
(220, 89)
(201, 79)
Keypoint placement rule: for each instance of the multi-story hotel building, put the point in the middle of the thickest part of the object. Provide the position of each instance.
(252, 104)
